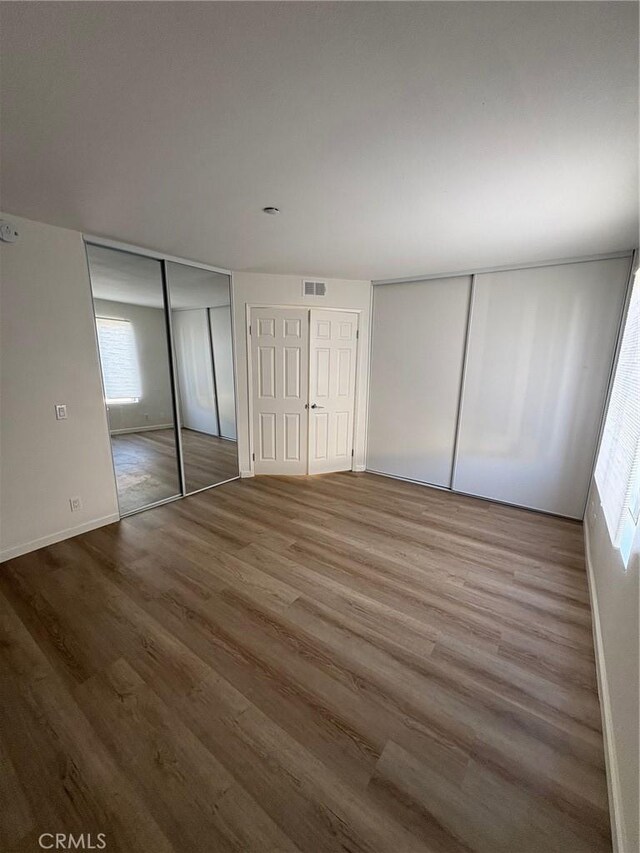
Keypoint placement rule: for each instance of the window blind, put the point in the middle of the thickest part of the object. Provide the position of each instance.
(119, 359)
(618, 466)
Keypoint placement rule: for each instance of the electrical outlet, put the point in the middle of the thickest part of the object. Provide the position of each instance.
(75, 504)
(61, 411)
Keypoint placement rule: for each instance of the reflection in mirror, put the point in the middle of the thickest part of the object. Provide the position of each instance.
(134, 354)
(201, 324)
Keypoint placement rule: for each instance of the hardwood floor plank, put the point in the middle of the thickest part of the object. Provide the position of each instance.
(569, 707)
(334, 663)
(190, 793)
(317, 809)
(532, 824)
(318, 708)
(51, 626)
(249, 646)
(66, 771)
(17, 820)
(555, 662)
(484, 814)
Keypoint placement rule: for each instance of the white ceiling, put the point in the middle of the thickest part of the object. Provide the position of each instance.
(136, 280)
(396, 138)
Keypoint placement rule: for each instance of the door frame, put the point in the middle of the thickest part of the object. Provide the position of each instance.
(248, 307)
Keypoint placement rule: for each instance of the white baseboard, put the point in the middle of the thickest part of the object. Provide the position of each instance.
(245, 474)
(146, 428)
(52, 538)
(610, 754)
(359, 467)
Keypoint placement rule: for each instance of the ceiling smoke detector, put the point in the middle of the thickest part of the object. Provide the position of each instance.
(270, 210)
(8, 233)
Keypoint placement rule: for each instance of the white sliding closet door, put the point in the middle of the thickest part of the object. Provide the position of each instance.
(195, 370)
(416, 367)
(220, 322)
(541, 345)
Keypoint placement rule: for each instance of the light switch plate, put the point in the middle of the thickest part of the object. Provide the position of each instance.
(61, 411)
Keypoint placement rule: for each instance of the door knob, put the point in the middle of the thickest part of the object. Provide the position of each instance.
(316, 406)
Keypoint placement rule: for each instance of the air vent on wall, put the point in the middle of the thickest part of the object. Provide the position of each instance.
(314, 288)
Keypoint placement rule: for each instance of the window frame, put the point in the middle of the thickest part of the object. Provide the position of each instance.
(622, 527)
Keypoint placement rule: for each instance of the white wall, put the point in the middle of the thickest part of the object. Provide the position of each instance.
(615, 596)
(155, 408)
(48, 356)
(262, 289)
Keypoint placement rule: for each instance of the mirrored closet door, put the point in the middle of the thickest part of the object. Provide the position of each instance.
(129, 306)
(200, 303)
(165, 343)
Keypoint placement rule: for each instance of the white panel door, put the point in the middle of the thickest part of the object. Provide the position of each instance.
(195, 370)
(416, 371)
(333, 345)
(279, 389)
(220, 322)
(541, 345)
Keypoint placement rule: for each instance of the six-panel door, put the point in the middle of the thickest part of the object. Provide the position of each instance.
(280, 374)
(333, 345)
(303, 377)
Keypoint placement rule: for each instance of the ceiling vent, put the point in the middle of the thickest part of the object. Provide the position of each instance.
(314, 288)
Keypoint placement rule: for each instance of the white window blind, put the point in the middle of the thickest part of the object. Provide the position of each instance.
(119, 359)
(618, 465)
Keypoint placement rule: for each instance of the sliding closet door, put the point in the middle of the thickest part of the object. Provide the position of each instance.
(192, 346)
(131, 325)
(541, 345)
(220, 322)
(207, 457)
(416, 367)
